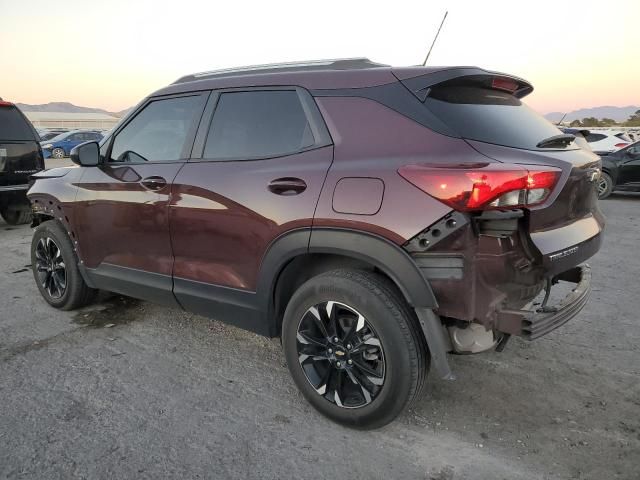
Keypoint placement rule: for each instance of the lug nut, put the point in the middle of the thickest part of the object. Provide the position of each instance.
(350, 362)
(348, 346)
(336, 339)
(330, 350)
(338, 364)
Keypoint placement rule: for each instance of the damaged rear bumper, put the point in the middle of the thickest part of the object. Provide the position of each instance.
(533, 324)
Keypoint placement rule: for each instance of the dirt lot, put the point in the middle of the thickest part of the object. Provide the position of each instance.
(165, 394)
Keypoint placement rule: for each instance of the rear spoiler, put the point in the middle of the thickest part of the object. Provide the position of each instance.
(419, 80)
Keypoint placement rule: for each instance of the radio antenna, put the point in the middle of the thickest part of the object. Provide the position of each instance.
(435, 38)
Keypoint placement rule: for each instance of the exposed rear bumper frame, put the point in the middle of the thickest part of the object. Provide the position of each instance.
(533, 324)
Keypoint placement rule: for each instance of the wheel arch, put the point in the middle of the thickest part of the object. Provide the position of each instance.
(611, 169)
(300, 255)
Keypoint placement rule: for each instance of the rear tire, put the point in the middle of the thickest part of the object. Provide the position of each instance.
(605, 186)
(334, 365)
(55, 268)
(16, 214)
(57, 153)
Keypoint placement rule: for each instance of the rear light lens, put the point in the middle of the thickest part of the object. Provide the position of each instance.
(620, 145)
(484, 186)
(506, 84)
(5, 104)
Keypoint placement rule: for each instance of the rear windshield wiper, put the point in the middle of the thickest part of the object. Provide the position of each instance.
(557, 141)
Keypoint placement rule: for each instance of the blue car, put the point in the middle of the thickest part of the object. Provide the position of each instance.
(60, 145)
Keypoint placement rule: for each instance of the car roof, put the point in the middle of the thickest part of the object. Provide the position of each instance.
(305, 66)
(81, 130)
(311, 74)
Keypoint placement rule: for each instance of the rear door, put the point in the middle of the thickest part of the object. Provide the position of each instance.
(122, 204)
(260, 159)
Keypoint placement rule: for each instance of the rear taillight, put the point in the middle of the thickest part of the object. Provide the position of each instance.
(506, 84)
(483, 186)
(5, 104)
(620, 145)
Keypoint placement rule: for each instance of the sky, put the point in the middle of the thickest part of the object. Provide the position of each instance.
(112, 54)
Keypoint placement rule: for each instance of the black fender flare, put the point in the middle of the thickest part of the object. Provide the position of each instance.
(391, 259)
(373, 249)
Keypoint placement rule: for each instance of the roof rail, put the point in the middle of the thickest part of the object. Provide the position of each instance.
(310, 65)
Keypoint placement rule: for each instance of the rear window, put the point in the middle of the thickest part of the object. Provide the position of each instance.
(13, 125)
(595, 137)
(491, 116)
(623, 136)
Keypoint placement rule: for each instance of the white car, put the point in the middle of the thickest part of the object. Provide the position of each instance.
(607, 141)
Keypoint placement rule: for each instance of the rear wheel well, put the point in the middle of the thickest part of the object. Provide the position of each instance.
(307, 266)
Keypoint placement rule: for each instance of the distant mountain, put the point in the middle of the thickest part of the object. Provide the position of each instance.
(121, 113)
(66, 107)
(618, 114)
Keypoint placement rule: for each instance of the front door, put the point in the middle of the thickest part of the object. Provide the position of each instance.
(260, 159)
(122, 205)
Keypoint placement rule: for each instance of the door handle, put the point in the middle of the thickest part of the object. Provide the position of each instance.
(287, 186)
(153, 183)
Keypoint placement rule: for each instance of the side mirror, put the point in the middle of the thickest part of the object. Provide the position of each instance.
(86, 154)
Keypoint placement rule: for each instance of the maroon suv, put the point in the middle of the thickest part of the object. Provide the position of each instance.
(375, 218)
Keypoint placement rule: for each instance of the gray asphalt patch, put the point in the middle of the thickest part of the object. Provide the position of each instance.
(126, 389)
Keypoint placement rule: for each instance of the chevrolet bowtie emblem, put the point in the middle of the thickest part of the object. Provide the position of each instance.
(339, 353)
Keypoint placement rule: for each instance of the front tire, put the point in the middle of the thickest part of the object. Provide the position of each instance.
(354, 348)
(605, 185)
(55, 268)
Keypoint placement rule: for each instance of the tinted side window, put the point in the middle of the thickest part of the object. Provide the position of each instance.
(13, 126)
(158, 132)
(258, 124)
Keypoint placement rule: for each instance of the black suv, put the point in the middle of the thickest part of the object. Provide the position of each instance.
(20, 157)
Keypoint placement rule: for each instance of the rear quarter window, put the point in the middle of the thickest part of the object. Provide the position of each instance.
(14, 126)
(490, 116)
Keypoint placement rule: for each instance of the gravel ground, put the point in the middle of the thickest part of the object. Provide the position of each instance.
(126, 389)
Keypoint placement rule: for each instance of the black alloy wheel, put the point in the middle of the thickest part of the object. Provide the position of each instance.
(50, 267)
(340, 354)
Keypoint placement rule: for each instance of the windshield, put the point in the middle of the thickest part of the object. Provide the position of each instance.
(13, 126)
(491, 116)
